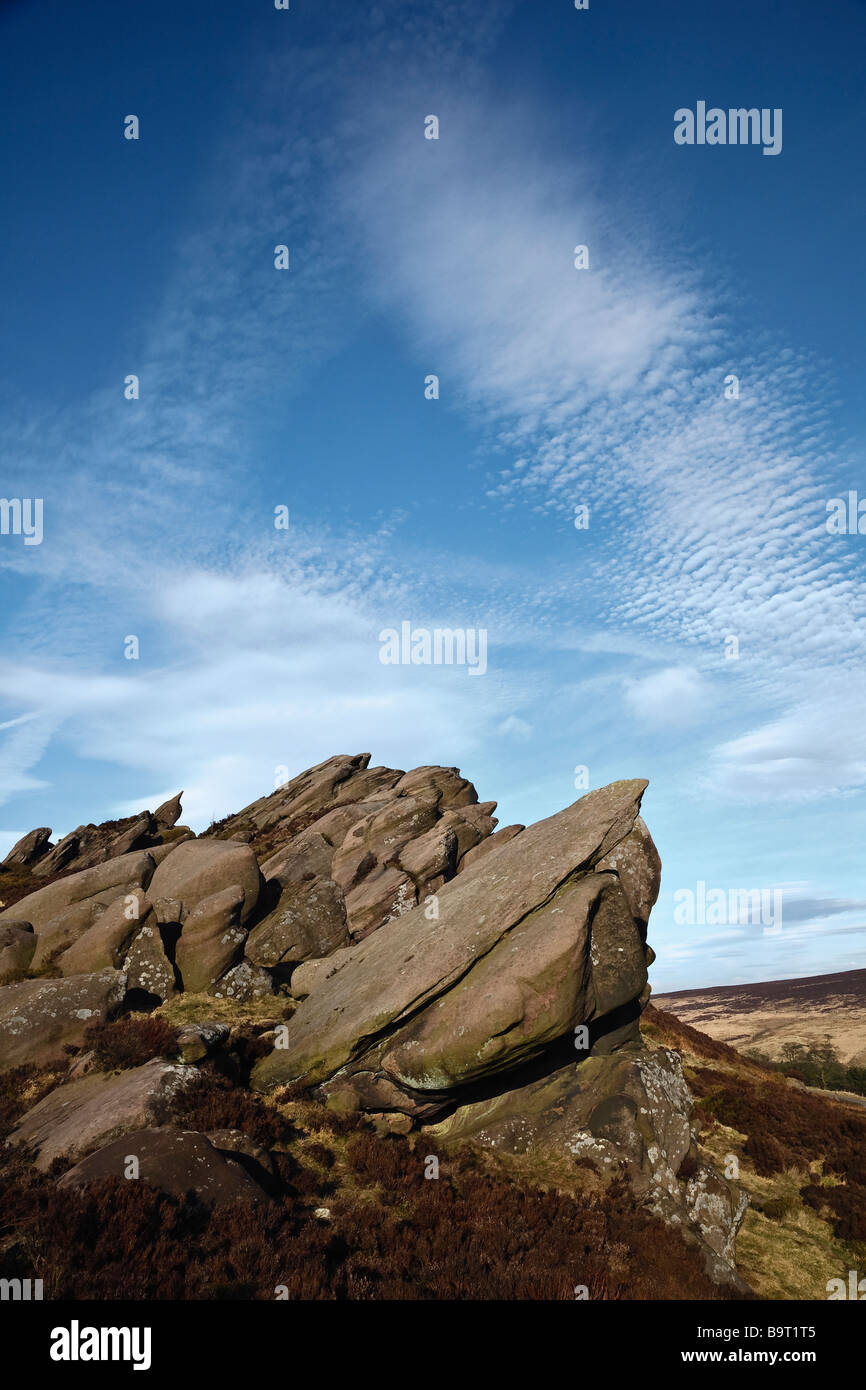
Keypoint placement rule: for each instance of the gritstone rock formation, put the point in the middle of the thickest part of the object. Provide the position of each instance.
(484, 984)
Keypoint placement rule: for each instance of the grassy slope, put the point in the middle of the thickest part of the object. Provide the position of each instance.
(786, 1248)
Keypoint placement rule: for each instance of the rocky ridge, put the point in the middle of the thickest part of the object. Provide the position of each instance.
(440, 976)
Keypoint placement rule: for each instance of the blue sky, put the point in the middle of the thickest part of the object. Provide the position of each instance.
(305, 388)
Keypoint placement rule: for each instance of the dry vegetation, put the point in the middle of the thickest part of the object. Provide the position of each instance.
(801, 1156)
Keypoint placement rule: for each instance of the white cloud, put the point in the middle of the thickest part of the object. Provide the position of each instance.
(266, 672)
(672, 698)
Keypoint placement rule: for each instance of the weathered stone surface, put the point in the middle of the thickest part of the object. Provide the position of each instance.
(173, 1160)
(302, 799)
(58, 934)
(717, 1207)
(244, 983)
(384, 895)
(431, 856)
(308, 855)
(308, 976)
(309, 920)
(17, 945)
(445, 783)
(98, 1108)
(137, 836)
(199, 1040)
(100, 884)
(199, 869)
(637, 864)
(409, 962)
(61, 855)
(167, 911)
(168, 814)
(383, 834)
(499, 837)
(632, 1109)
(147, 967)
(29, 848)
(37, 1017)
(103, 945)
(537, 983)
(212, 939)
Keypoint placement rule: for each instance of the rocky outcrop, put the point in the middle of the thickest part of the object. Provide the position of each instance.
(308, 921)
(483, 985)
(212, 938)
(363, 1017)
(624, 1112)
(103, 945)
(89, 845)
(96, 887)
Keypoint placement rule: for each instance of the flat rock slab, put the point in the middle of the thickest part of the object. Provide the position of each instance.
(413, 959)
(98, 1108)
(37, 1017)
(175, 1161)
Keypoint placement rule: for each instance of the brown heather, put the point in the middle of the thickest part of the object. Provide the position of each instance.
(130, 1042)
(466, 1235)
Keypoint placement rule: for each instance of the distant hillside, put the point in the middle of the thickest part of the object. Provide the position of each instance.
(775, 1012)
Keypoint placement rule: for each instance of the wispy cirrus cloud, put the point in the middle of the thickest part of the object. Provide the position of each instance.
(606, 387)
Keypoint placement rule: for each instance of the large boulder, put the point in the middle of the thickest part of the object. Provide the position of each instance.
(198, 869)
(29, 848)
(212, 939)
(82, 1114)
(382, 896)
(308, 855)
(244, 983)
(148, 970)
(172, 1160)
(103, 945)
(536, 984)
(637, 864)
(38, 1017)
(99, 885)
(415, 959)
(168, 814)
(309, 920)
(60, 932)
